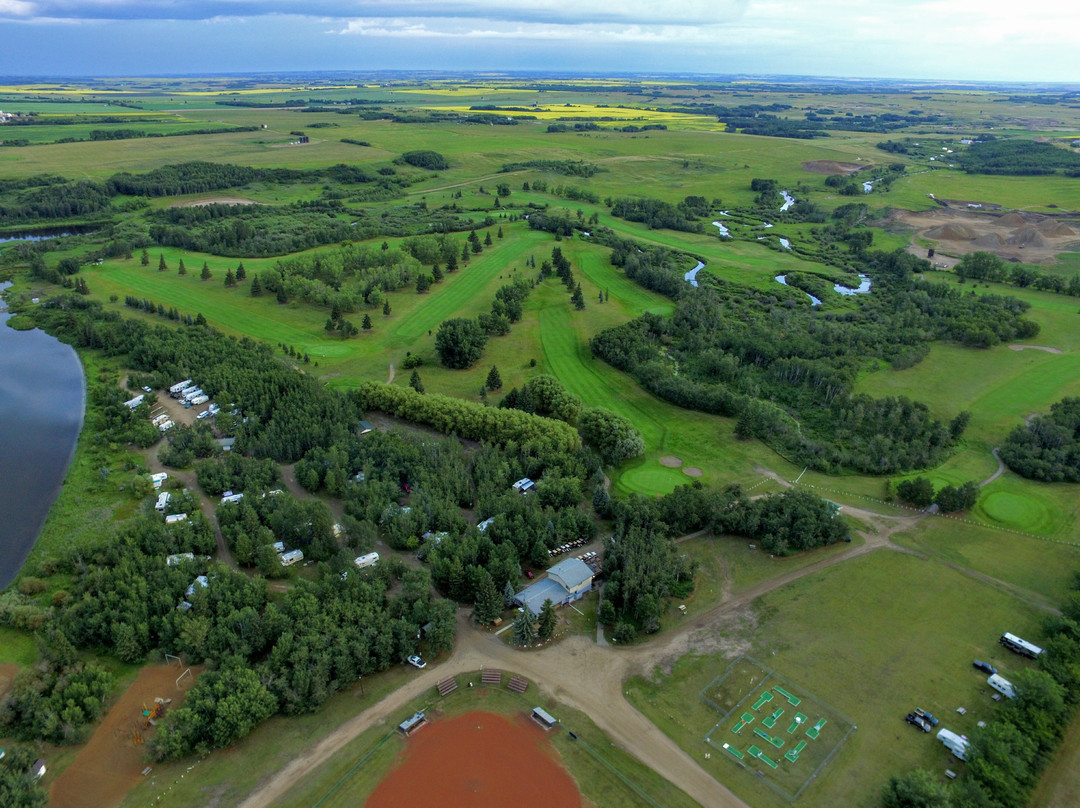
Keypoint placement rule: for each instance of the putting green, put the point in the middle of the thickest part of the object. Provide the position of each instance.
(650, 477)
(1013, 510)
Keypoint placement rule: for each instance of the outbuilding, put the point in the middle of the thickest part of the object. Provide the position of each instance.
(365, 427)
(412, 723)
(544, 718)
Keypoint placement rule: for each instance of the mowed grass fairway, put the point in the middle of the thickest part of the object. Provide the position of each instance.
(874, 637)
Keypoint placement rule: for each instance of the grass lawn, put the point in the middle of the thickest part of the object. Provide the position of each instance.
(600, 768)
(874, 638)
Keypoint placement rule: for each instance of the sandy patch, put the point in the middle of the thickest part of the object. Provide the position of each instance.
(831, 167)
(1035, 348)
(111, 763)
(692, 471)
(671, 461)
(214, 200)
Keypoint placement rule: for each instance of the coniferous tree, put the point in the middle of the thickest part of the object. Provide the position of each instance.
(509, 595)
(230, 278)
(423, 283)
(200, 320)
(366, 325)
(436, 273)
(451, 263)
(256, 287)
(525, 628)
(144, 259)
(488, 602)
(548, 620)
(494, 380)
(205, 274)
(161, 266)
(415, 382)
(577, 299)
(465, 253)
(487, 239)
(241, 273)
(386, 308)
(500, 234)
(281, 296)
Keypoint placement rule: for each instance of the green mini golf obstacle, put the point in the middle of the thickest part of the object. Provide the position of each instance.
(770, 722)
(794, 702)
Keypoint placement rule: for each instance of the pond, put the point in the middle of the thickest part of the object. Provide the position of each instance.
(44, 234)
(42, 402)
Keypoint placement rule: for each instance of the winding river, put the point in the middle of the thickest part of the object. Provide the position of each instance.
(42, 402)
(692, 274)
(813, 300)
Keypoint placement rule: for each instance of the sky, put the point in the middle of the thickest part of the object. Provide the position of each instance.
(964, 40)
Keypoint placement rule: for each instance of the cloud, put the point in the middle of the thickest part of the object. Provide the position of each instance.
(16, 8)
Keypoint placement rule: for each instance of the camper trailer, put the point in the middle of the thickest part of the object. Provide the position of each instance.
(369, 560)
(1002, 686)
(162, 501)
(1020, 646)
(954, 743)
(291, 557)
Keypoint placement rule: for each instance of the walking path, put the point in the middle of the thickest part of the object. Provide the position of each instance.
(996, 474)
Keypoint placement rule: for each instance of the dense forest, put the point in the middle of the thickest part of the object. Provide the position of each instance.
(1019, 158)
(1047, 447)
(788, 372)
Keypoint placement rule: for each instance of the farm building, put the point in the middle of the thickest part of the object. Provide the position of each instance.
(566, 582)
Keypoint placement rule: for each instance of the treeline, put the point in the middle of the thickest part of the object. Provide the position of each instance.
(642, 568)
(1047, 447)
(655, 268)
(985, 266)
(83, 199)
(787, 373)
(453, 416)
(1019, 158)
(570, 168)
(1008, 753)
(657, 214)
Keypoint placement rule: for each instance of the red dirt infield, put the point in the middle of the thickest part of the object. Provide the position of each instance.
(479, 760)
(111, 763)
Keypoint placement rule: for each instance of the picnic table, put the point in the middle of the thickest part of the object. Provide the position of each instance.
(763, 699)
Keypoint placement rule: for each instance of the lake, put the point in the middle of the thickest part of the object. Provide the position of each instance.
(42, 402)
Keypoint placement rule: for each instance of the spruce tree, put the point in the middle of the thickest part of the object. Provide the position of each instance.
(465, 253)
(205, 274)
(329, 325)
(256, 287)
(161, 265)
(281, 296)
(415, 382)
(509, 595)
(230, 278)
(144, 259)
(494, 380)
(451, 263)
(500, 233)
(386, 308)
(436, 273)
(577, 299)
(488, 603)
(423, 283)
(548, 620)
(241, 273)
(366, 325)
(525, 628)
(200, 320)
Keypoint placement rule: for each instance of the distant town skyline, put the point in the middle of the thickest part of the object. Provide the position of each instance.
(960, 40)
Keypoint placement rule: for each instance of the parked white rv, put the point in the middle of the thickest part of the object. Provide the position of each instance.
(291, 557)
(158, 479)
(954, 743)
(229, 496)
(202, 398)
(159, 420)
(369, 560)
(192, 393)
(1020, 646)
(1002, 686)
(173, 518)
(135, 402)
(166, 426)
(162, 501)
(176, 559)
(177, 389)
(279, 547)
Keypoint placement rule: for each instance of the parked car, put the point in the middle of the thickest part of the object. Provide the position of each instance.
(926, 716)
(918, 721)
(985, 667)
(416, 661)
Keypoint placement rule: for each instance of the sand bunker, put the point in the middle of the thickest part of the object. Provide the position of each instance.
(692, 471)
(480, 760)
(832, 167)
(670, 461)
(1035, 348)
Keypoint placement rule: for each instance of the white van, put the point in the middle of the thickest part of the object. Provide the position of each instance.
(954, 743)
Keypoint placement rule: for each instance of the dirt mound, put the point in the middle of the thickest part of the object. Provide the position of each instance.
(1027, 237)
(481, 760)
(1012, 219)
(831, 167)
(1055, 229)
(952, 232)
(671, 461)
(990, 240)
(112, 761)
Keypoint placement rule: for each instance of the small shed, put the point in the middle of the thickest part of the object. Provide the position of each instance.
(524, 485)
(226, 444)
(38, 769)
(544, 718)
(365, 427)
(412, 723)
